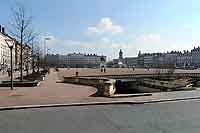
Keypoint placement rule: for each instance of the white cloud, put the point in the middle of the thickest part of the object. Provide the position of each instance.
(105, 25)
(49, 39)
(119, 45)
(108, 46)
(103, 43)
(149, 38)
(103, 46)
(105, 40)
(92, 30)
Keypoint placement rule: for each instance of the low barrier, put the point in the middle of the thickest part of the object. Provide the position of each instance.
(105, 86)
(20, 84)
(116, 76)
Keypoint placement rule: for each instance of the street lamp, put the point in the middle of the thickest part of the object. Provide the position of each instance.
(46, 49)
(10, 44)
(3, 61)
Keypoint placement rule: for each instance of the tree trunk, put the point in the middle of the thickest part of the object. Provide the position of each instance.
(21, 58)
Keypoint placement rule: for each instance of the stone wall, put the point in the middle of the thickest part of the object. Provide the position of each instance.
(105, 86)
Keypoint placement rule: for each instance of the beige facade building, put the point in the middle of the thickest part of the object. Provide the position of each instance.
(75, 60)
(5, 51)
(26, 57)
(178, 59)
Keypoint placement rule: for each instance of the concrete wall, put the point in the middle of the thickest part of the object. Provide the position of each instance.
(105, 86)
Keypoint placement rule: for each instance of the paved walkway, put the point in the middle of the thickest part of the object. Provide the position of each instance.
(47, 92)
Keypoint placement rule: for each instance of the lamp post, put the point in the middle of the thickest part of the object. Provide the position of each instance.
(46, 50)
(10, 44)
(3, 60)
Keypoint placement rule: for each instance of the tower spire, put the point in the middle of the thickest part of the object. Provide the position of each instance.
(120, 54)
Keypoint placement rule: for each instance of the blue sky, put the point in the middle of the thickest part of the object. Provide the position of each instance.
(105, 26)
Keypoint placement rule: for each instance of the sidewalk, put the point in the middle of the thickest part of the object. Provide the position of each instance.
(47, 92)
(165, 96)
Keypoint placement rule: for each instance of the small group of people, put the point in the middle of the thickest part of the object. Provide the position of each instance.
(103, 69)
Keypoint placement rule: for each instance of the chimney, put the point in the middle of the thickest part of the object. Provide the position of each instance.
(3, 30)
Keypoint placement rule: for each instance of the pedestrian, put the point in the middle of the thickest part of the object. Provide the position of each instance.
(101, 69)
(76, 73)
(9, 72)
(48, 70)
(133, 68)
(104, 69)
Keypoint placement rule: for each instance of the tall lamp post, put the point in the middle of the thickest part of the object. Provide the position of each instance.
(10, 44)
(3, 60)
(46, 50)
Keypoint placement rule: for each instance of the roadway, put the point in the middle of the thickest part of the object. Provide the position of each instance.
(171, 117)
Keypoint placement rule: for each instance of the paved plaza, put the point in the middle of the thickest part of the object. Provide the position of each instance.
(116, 71)
(47, 92)
(51, 92)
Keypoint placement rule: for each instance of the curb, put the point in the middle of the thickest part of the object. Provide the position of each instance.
(62, 105)
(131, 95)
(93, 103)
(169, 100)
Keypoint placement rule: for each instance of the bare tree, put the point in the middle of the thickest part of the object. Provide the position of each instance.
(20, 27)
(34, 53)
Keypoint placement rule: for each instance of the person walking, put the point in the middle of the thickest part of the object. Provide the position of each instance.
(9, 72)
(104, 69)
